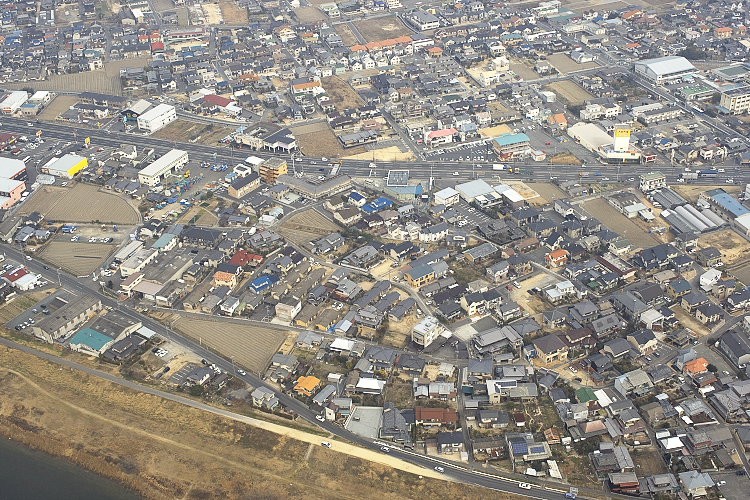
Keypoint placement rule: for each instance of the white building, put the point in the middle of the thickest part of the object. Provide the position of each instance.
(447, 197)
(157, 118)
(13, 101)
(426, 331)
(152, 174)
(664, 69)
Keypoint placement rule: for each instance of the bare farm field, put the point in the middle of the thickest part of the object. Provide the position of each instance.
(90, 81)
(79, 259)
(619, 223)
(732, 246)
(307, 226)
(249, 345)
(570, 92)
(564, 64)
(341, 93)
(186, 131)
(382, 29)
(81, 203)
(324, 143)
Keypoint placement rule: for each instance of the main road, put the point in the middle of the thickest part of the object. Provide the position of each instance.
(422, 170)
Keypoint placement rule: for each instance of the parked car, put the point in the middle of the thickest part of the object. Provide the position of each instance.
(326, 444)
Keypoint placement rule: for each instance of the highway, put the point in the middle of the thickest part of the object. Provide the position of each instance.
(454, 471)
(422, 170)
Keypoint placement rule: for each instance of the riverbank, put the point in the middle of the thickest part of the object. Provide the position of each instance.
(30, 474)
(155, 446)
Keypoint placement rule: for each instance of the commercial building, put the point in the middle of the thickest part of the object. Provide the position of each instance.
(272, 168)
(662, 70)
(651, 181)
(13, 102)
(157, 118)
(423, 21)
(315, 188)
(90, 341)
(10, 192)
(447, 197)
(152, 174)
(511, 145)
(66, 314)
(597, 140)
(67, 166)
(736, 101)
(10, 168)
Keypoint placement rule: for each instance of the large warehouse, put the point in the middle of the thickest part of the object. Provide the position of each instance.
(664, 69)
(67, 166)
(157, 118)
(152, 174)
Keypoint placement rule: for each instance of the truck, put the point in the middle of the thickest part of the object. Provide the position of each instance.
(498, 166)
(707, 173)
(689, 175)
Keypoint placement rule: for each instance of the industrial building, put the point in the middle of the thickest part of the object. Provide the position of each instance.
(10, 168)
(13, 101)
(157, 118)
(725, 203)
(447, 197)
(736, 101)
(173, 160)
(470, 190)
(663, 70)
(67, 166)
(688, 219)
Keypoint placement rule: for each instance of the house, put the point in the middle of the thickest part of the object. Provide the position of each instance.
(633, 382)
(736, 346)
(695, 483)
(435, 417)
(557, 258)
(306, 385)
(450, 442)
(550, 348)
(644, 341)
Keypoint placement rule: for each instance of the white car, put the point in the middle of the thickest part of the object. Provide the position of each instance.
(321, 418)
(456, 174)
(241, 372)
(439, 469)
(525, 486)
(385, 449)
(326, 444)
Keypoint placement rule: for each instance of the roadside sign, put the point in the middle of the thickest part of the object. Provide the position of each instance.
(87, 140)
(39, 133)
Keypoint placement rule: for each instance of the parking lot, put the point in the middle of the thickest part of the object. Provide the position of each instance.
(471, 215)
(464, 152)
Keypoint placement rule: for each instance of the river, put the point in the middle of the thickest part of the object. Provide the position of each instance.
(33, 475)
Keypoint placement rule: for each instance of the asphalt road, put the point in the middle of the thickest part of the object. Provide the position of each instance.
(453, 471)
(423, 170)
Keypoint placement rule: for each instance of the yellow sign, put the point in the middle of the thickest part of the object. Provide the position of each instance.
(622, 132)
(87, 140)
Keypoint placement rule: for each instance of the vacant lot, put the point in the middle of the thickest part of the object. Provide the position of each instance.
(81, 203)
(91, 81)
(341, 93)
(249, 345)
(347, 35)
(523, 70)
(325, 143)
(391, 153)
(619, 223)
(61, 104)
(741, 271)
(692, 192)
(382, 29)
(199, 216)
(564, 64)
(732, 246)
(187, 131)
(648, 459)
(232, 12)
(307, 226)
(570, 92)
(309, 15)
(547, 192)
(79, 259)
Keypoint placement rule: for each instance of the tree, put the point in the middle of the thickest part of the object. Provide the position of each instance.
(197, 390)
(590, 445)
